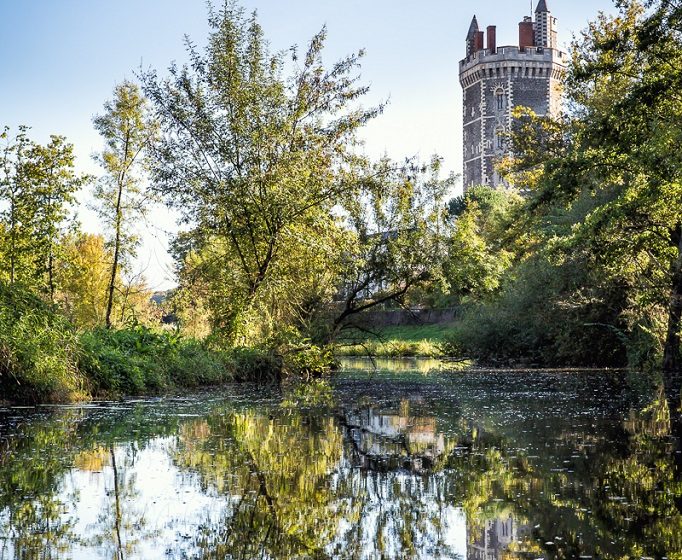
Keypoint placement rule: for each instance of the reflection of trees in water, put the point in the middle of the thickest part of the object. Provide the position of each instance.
(33, 524)
(294, 487)
(120, 525)
(393, 439)
(387, 482)
(374, 480)
(616, 496)
(276, 473)
(38, 508)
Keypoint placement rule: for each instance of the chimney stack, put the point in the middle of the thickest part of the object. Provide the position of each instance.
(492, 39)
(478, 41)
(526, 33)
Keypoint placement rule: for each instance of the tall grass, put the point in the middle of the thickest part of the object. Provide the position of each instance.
(395, 341)
(39, 351)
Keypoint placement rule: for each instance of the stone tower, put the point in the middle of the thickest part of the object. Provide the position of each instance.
(497, 79)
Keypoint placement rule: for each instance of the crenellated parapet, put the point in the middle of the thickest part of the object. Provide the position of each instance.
(495, 80)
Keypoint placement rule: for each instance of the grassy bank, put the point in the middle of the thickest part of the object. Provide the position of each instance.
(44, 358)
(395, 341)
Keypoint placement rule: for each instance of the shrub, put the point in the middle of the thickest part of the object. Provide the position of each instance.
(38, 350)
(546, 315)
(138, 359)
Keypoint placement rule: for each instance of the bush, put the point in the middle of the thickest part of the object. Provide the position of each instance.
(43, 357)
(546, 315)
(137, 359)
(38, 350)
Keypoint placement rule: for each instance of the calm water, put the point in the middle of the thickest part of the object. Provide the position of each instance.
(398, 463)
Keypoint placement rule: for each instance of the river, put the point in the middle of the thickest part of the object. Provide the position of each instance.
(399, 459)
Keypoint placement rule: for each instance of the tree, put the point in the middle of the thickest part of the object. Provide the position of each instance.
(127, 130)
(252, 156)
(396, 240)
(610, 183)
(83, 277)
(479, 249)
(632, 135)
(51, 169)
(38, 183)
(17, 213)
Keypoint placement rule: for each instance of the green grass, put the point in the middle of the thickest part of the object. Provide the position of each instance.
(395, 341)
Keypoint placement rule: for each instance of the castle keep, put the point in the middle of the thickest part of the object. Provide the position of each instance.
(497, 79)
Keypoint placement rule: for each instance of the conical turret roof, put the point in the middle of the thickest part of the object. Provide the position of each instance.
(542, 7)
(473, 28)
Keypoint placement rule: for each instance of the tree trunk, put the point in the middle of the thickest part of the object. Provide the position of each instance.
(114, 266)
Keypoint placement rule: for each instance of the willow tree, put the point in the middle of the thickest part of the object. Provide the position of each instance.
(250, 153)
(127, 130)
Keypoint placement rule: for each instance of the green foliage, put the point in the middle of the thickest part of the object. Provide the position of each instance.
(396, 232)
(480, 248)
(37, 185)
(546, 315)
(251, 153)
(44, 358)
(38, 350)
(262, 365)
(308, 361)
(127, 130)
(137, 360)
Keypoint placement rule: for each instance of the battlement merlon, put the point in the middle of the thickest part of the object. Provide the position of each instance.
(511, 59)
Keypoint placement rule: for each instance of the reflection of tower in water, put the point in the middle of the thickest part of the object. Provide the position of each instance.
(492, 539)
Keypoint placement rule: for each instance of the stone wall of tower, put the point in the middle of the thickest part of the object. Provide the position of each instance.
(472, 137)
(493, 83)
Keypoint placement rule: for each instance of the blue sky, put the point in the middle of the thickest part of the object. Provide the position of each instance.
(60, 59)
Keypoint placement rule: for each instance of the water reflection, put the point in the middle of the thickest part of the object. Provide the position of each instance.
(483, 465)
(496, 538)
(391, 439)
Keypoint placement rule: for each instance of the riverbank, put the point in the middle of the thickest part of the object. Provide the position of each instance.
(396, 341)
(45, 359)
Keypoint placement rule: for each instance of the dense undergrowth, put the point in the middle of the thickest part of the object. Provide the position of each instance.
(547, 317)
(44, 358)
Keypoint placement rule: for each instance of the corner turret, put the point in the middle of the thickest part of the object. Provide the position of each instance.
(474, 38)
(545, 27)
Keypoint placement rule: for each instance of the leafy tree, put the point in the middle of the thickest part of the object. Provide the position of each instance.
(251, 155)
(51, 169)
(396, 237)
(632, 136)
(83, 278)
(127, 130)
(605, 183)
(18, 209)
(38, 184)
(480, 248)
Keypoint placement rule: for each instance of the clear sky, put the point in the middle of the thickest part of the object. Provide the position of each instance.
(60, 59)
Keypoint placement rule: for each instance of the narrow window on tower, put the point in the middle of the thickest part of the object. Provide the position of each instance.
(499, 96)
(499, 135)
